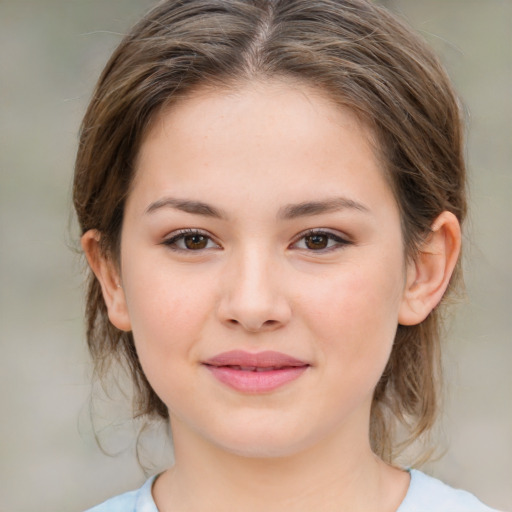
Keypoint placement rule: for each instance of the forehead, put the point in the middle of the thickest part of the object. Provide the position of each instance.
(281, 134)
(289, 99)
(294, 98)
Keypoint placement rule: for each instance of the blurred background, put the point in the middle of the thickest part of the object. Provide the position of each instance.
(51, 52)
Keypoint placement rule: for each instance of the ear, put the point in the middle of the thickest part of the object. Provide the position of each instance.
(429, 274)
(107, 274)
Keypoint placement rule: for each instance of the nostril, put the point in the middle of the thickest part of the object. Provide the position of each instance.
(255, 326)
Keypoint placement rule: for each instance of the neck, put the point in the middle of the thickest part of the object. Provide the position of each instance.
(332, 476)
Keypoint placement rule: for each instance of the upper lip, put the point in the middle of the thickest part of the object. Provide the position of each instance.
(265, 359)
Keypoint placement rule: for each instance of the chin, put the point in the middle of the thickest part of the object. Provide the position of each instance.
(266, 442)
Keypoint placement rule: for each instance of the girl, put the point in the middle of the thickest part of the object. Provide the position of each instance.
(270, 194)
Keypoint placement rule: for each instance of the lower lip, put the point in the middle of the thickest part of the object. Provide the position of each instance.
(256, 382)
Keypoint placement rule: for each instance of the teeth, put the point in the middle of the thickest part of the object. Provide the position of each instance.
(255, 368)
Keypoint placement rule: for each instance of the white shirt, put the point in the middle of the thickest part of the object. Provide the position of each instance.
(425, 494)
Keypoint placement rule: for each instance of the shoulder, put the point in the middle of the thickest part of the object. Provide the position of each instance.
(140, 500)
(428, 494)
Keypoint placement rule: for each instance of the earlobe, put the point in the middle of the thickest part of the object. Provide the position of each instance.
(429, 274)
(107, 274)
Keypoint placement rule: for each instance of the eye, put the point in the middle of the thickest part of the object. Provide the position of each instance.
(190, 240)
(318, 241)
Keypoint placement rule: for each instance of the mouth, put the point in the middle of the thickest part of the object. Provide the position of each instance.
(255, 368)
(260, 372)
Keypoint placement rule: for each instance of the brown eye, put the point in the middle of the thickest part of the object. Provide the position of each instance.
(195, 242)
(321, 241)
(190, 241)
(317, 241)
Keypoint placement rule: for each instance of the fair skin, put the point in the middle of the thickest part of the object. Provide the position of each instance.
(296, 248)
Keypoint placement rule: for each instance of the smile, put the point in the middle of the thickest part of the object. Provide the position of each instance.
(262, 372)
(256, 368)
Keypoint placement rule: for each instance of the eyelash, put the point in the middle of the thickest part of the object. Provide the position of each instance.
(340, 241)
(182, 234)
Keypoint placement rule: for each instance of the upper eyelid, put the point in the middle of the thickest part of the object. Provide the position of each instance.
(322, 231)
(175, 235)
(188, 231)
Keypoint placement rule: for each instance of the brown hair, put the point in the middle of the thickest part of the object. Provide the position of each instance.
(365, 59)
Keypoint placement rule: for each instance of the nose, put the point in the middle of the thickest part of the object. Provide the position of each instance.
(253, 294)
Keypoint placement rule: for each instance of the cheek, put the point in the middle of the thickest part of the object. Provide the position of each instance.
(355, 312)
(168, 316)
(166, 309)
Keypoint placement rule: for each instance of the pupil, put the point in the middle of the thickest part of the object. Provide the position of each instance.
(316, 241)
(195, 242)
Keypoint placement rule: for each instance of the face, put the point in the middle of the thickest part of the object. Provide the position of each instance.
(262, 269)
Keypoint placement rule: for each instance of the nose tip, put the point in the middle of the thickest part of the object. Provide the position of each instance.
(254, 299)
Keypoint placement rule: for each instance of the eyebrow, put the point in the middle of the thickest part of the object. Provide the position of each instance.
(287, 212)
(308, 208)
(188, 206)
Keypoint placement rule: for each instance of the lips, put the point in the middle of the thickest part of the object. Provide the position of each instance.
(260, 372)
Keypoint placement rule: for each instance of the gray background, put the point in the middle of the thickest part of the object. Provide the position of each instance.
(51, 52)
